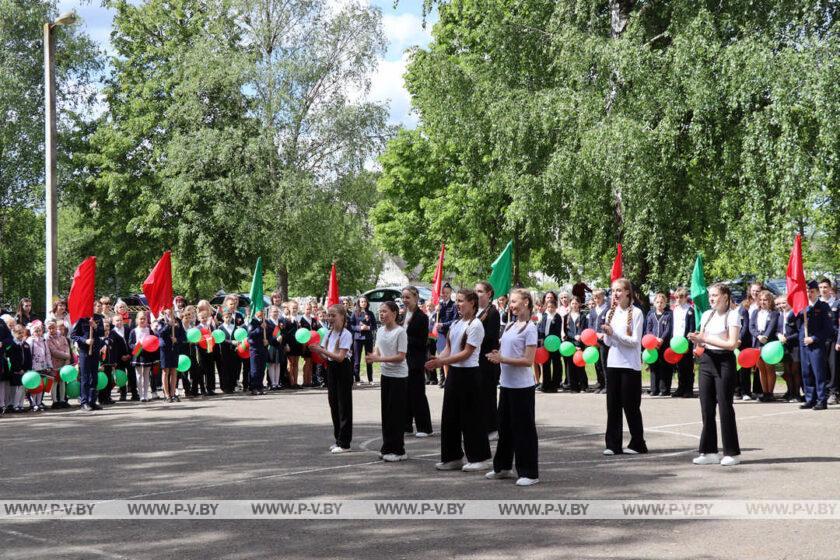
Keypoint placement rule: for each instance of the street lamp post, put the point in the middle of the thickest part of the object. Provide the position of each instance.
(51, 202)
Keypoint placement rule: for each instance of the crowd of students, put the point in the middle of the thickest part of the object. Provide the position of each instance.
(474, 347)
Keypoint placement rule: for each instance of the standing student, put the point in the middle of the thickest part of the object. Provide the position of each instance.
(24, 314)
(258, 350)
(684, 323)
(748, 381)
(320, 373)
(789, 337)
(276, 355)
(622, 332)
(336, 348)
(119, 352)
(551, 323)
(461, 405)
(416, 324)
(363, 326)
(7, 339)
(20, 359)
(89, 336)
(517, 424)
(763, 328)
(294, 348)
(575, 325)
(142, 360)
(127, 325)
(309, 322)
(431, 346)
(41, 361)
(229, 361)
(445, 315)
(172, 335)
(720, 333)
(390, 351)
(206, 358)
(832, 378)
(106, 361)
(660, 324)
(814, 326)
(598, 309)
(489, 371)
(62, 355)
(502, 307)
(59, 314)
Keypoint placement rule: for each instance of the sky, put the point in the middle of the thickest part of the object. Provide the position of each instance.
(402, 26)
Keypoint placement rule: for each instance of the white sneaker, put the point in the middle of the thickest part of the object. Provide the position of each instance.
(372, 383)
(493, 436)
(493, 475)
(707, 459)
(450, 465)
(333, 446)
(394, 458)
(746, 398)
(729, 461)
(628, 451)
(421, 434)
(524, 481)
(336, 450)
(479, 466)
(609, 452)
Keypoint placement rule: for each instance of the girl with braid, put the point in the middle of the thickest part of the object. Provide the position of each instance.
(337, 349)
(622, 332)
(461, 401)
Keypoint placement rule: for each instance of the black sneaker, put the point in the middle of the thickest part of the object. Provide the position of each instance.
(806, 406)
(820, 406)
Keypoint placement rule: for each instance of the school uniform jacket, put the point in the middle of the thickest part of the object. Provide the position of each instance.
(819, 324)
(118, 347)
(574, 328)
(745, 337)
(557, 326)
(81, 333)
(690, 322)
(6, 340)
(661, 326)
(355, 322)
(417, 332)
(448, 315)
(20, 356)
(492, 323)
(259, 336)
(770, 329)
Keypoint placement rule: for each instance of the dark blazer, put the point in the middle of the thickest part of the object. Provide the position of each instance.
(20, 356)
(819, 323)
(6, 340)
(661, 326)
(574, 328)
(257, 336)
(491, 320)
(556, 327)
(355, 322)
(770, 329)
(448, 315)
(746, 337)
(417, 331)
(81, 332)
(118, 347)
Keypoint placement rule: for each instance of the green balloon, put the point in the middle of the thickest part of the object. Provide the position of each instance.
(303, 335)
(650, 356)
(194, 335)
(74, 389)
(69, 373)
(219, 336)
(323, 331)
(31, 380)
(184, 363)
(737, 365)
(101, 381)
(567, 349)
(552, 343)
(590, 355)
(240, 334)
(121, 378)
(679, 344)
(773, 352)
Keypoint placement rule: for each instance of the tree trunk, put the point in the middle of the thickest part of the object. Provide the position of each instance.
(515, 258)
(283, 281)
(619, 16)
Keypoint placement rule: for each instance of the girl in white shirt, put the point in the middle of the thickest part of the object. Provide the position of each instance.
(336, 348)
(41, 361)
(720, 330)
(390, 350)
(622, 332)
(517, 425)
(461, 404)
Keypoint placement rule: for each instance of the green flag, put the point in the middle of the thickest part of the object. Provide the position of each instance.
(699, 293)
(502, 273)
(256, 295)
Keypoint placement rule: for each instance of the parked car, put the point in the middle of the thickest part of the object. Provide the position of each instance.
(377, 296)
(135, 302)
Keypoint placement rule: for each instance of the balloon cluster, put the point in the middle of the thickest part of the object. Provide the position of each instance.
(552, 343)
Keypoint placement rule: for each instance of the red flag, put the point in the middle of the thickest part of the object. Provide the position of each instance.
(158, 286)
(332, 291)
(437, 279)
(797, 290)
(80, 301)
(617, 267)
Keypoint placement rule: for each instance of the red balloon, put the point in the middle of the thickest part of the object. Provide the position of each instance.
(37, 390)
(202, 342)
(541, 356)
(242, 350)
(314, 339)
(698, 350)
(748, 357)
(649, 342)
(433, 334)
(672, 357)
(204, 331)
(150, 343)
(48, 383)
(578, 359)
(317, 359)
(589, 337)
